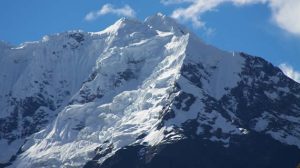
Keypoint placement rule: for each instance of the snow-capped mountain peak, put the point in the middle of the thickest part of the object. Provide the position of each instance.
(81, 99)
(163, 23)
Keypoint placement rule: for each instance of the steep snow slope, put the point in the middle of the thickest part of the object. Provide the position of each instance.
(121, 102)
(80, 99)
(38, 80)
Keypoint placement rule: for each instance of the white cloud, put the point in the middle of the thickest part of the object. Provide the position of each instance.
(290, 72)
(285, 13)
(169, 2)
(126, 11)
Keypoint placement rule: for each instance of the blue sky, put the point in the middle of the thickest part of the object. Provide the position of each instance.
(266, 28)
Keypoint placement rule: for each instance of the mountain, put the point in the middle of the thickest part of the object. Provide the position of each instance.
(144, 94)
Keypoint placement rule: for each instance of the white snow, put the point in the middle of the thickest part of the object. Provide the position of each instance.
(262, 122)
(290, 137)
(271, 95)
(155, 137)
(290, 118)
(124, 112)
(284, 138)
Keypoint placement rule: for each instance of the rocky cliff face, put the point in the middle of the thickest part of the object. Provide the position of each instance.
(144, 94)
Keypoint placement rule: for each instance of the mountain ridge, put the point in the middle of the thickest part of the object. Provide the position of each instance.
(140, 84)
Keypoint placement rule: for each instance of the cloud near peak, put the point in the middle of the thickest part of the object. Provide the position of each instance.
(285, 13)
(125, 11)
(290, 72)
